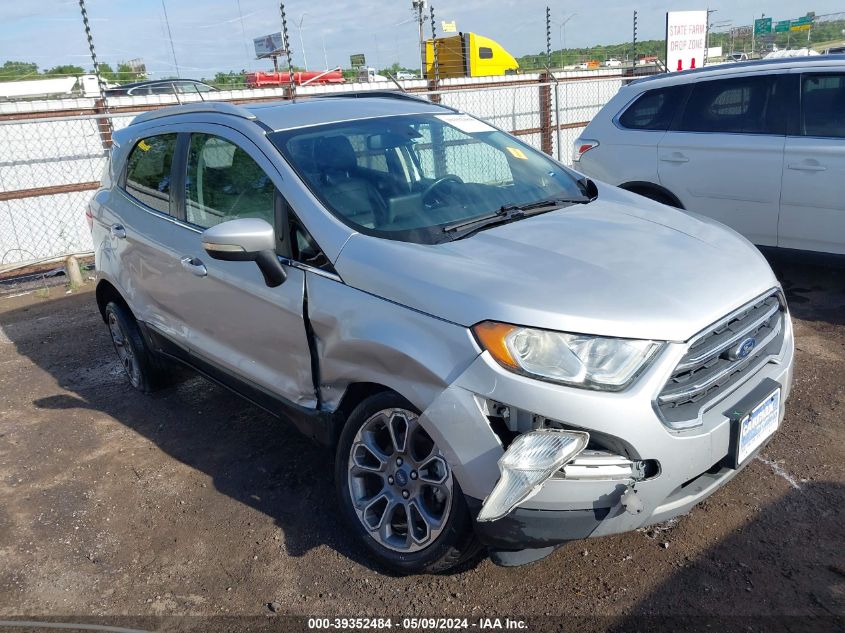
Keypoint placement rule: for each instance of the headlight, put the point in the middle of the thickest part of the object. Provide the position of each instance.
(593, 362)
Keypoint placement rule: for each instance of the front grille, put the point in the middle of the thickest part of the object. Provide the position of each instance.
(712, 365)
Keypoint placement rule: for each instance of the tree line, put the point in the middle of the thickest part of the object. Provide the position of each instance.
(17, 70)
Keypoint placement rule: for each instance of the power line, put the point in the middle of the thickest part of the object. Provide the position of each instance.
(243, 33)
(170, 36)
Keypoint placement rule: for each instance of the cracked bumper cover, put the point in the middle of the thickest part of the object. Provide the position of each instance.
(691, 461)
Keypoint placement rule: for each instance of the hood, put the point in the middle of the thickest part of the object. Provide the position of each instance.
(620, 266)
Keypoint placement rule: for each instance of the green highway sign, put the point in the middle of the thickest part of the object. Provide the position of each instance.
(762, 26)
(782, 26)
(802, 24)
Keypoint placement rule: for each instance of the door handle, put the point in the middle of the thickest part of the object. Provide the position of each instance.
(117, 230)
(194, 266)
(814, 166)
(675, 157)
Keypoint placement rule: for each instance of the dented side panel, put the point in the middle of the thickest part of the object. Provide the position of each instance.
(362, 338)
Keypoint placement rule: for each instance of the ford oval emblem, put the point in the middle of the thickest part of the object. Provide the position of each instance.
(743, 349)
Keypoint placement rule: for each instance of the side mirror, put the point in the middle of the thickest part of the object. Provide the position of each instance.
(246, 240)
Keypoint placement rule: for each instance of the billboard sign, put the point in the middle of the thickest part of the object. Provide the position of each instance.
(449, 27)
(357, 60)
(686, 35)
(762, 26)
(268, 45)
(741, 31)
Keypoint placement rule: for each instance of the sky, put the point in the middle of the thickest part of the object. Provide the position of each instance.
(216, 35)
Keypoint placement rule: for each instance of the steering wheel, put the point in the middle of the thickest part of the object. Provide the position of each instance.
(439, 182)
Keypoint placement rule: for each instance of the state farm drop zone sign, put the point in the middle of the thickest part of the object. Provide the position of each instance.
(686, 39)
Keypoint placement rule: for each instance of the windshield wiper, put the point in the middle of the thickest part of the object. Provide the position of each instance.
(509, 213)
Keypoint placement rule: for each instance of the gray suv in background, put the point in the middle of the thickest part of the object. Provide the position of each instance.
(499, 351)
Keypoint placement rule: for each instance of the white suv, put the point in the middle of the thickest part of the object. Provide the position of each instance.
(759, 146)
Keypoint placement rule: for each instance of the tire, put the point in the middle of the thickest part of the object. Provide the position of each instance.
(145, 371)
(383, 478)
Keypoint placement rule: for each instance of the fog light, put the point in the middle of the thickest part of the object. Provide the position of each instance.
(527, 464)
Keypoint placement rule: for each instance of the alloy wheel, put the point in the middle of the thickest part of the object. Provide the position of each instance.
(124, 350)
(400, 484)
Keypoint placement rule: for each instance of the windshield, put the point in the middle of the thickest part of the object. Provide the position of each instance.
(408, 177)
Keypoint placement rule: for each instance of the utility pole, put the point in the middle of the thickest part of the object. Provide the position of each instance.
(562, 25)
(419, 7)
(707, 35)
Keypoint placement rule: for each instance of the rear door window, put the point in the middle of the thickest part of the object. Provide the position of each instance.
(148, 171)
(743, 105)
(823, 105)
(653, 110)
(225, 183)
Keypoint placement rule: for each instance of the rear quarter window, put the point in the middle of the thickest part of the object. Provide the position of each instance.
(654, 109)
(148, 170)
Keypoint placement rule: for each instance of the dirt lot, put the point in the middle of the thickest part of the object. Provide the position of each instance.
(119, 508)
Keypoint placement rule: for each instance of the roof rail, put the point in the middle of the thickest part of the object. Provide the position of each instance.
(820, 60)
(215, 107)
(383, 94)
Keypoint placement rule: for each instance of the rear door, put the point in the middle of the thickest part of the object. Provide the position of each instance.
(723, 155)
(627, 150)
(141, 213)
(812, 215)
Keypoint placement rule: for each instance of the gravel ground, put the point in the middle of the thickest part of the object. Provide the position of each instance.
(117, 507)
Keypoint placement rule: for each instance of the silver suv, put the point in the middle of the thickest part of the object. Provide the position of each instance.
(757, 145)
(499, 351)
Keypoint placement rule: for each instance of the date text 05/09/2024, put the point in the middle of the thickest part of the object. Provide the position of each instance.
(416, 623)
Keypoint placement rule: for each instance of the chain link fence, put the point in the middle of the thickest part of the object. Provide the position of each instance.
(51, 162)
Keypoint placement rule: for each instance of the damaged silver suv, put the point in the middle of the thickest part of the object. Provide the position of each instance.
(499, 351)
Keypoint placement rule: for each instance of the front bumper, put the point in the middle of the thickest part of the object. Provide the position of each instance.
(693, 462)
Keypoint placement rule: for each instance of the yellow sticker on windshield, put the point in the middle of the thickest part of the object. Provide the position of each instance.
(145, 147)
(517, 153)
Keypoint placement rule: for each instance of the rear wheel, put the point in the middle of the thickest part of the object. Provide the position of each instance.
(397, 490)
(143, 368)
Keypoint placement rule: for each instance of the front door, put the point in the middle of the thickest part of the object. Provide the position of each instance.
(812, 210)
(233, 321)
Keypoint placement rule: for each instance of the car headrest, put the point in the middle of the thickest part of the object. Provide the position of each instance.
(334, 153)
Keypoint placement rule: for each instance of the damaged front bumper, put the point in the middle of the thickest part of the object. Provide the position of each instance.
(664, 471)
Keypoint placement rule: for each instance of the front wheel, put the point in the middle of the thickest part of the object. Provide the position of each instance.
(397, 491)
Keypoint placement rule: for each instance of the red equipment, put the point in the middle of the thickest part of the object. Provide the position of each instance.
(311, 77)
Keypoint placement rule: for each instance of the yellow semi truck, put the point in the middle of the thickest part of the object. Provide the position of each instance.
(468, 55)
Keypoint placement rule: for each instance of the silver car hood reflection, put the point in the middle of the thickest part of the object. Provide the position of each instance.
(620, 266)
